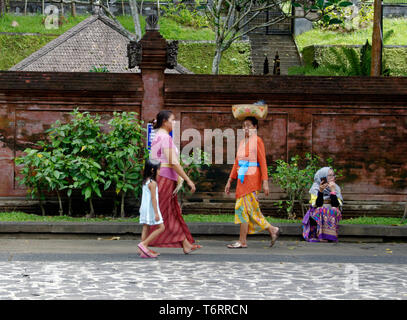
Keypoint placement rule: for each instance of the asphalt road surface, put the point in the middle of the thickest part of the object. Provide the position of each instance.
(106, 269)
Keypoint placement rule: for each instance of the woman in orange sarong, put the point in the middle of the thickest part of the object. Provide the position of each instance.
(250, 170)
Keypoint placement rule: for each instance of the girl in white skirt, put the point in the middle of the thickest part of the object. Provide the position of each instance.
(150, 214)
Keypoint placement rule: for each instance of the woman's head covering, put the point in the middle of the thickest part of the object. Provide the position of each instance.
(323, 172)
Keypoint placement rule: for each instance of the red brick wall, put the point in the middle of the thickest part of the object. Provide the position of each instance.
(359, 122)
(31, 101)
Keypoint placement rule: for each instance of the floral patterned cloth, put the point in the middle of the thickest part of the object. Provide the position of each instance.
(321, 224)
(247, 209)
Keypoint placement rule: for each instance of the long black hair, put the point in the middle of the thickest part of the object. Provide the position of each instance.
(162, 116)
(150, 170)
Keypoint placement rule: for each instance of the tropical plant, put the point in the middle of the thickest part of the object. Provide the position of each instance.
(98, 69)
(349, 62)
(31, 174)
(187, 16)
(79, 156)
(126, 153)
(349, 18)
(80, 143)
(294, 180)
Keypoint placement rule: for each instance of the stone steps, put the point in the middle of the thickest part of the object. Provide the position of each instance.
(270, 44)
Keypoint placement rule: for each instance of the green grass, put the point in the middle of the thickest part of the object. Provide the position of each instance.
(197, 57)
(34, 24)
(320, 37)
(13, 49)
(169, 29)
(21, 216)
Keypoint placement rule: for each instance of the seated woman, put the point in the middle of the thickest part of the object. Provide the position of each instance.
(321, 222)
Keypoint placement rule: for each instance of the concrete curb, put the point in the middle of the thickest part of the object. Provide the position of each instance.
(196, 228)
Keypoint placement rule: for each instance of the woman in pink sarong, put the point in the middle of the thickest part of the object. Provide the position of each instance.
(163, 149)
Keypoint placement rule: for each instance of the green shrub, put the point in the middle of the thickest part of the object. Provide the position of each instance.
(79, 156)
(190, 17)
(350, 60)
(296, 178)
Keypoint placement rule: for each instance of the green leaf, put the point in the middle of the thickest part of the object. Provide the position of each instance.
(107, 184)
(345, 4)
(335, 21)
(88, 193)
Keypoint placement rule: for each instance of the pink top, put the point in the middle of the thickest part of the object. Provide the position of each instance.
(163, 141)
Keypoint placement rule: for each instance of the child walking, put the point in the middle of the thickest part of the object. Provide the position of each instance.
(150, 214)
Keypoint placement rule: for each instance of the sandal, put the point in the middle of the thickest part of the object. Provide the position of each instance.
(274, 237)
(142, 255)
(145, 251)
(236, 245)
(154, 252)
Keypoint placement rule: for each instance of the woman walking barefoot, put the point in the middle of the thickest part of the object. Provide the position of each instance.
(163, 149)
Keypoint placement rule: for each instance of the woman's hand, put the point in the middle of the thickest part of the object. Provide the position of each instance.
(157, 217)
(227, 187)
(191, 185)
(332, 186)
(266, 187)
(322, 187)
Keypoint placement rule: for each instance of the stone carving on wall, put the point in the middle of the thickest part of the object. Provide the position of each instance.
(152, 22)
(134, 53)
(172, 52)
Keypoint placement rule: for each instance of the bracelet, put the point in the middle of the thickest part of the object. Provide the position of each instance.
(333, 193)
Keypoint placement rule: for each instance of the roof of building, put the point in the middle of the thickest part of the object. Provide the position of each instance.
(97, 41)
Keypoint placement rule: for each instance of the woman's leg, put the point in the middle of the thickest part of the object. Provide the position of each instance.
(244, 227)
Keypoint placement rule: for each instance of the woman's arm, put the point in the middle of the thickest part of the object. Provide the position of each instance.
(232, 176)
(320, 200)
(173, 160)
(334, 200)
(261, 158)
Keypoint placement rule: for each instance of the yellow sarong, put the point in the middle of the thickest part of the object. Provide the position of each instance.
(247, 209)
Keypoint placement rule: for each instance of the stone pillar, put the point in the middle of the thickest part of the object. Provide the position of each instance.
(153, 64)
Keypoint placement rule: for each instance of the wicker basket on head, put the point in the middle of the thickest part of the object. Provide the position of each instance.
(242, 111)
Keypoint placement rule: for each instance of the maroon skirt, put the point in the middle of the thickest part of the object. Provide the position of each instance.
(176, 230)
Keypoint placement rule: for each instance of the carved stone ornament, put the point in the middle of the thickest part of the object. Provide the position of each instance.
(172, 52)
(152, 23)
(134, 54)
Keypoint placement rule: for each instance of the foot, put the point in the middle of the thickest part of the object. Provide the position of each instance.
(145, 250)
(274, 237)
(193, 248)
(237, 245)
(154, 252)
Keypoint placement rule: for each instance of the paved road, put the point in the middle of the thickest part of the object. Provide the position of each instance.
(111, 269)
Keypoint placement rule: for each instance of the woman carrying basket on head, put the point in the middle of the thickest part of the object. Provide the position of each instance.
(250, 170)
